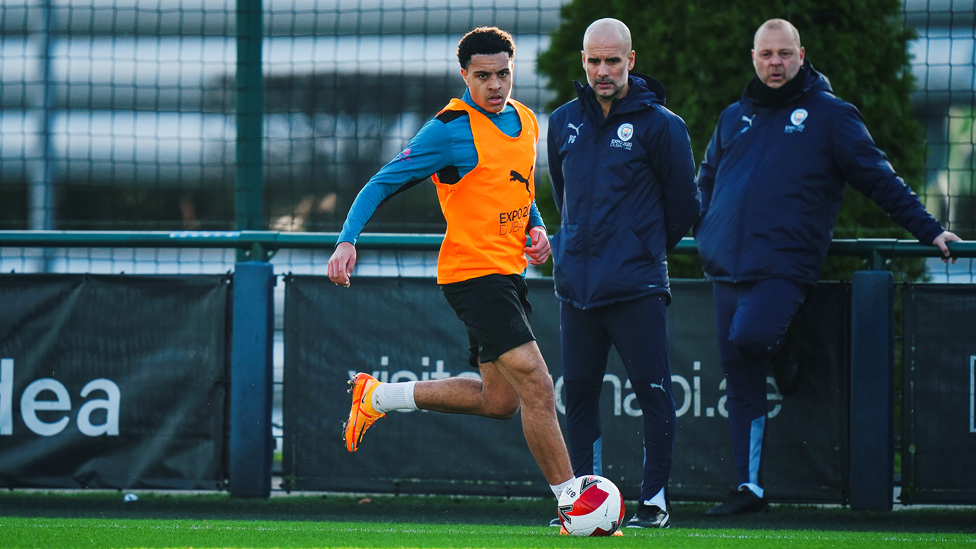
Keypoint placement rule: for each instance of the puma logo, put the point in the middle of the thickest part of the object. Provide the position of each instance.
(518, 177)
(659, 385)
(574, 128)
(748, 120)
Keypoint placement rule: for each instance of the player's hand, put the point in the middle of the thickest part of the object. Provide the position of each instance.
(941, 241)
(539, 250)
(341, 264)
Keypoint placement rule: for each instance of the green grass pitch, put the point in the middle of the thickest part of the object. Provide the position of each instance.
(104, 520)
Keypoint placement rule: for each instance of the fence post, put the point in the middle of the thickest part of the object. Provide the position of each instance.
(251, 380)
(872, 391)
(249, 104)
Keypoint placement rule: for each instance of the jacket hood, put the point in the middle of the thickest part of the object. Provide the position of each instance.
(644, 91)
(813, 81)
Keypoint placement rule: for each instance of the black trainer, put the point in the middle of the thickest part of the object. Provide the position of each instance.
(649, 516)
(740, 501)
(555, 522)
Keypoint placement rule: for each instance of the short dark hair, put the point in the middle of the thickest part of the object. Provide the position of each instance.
(484, 41)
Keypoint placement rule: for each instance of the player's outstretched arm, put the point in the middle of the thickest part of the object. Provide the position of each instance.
(342, 263)
(539, 250)
(941, 241)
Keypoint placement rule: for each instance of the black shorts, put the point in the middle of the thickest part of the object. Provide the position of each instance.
(495, 310)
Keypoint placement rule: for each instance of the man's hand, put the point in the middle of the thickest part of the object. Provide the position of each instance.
(941, 240)
(539, 251)
(341, 264)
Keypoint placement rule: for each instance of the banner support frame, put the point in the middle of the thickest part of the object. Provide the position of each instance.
(872, 391)
(252, 443)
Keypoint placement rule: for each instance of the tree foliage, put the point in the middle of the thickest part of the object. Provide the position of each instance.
(700, 51)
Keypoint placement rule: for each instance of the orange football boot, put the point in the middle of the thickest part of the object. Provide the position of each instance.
(361, 414)
(564, 532)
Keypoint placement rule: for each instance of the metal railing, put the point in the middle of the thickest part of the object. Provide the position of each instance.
(262, 245)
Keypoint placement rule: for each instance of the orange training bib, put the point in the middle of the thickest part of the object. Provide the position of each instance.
(487, 210)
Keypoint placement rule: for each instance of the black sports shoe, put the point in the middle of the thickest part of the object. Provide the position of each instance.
(786, 370)
(555, 522)
(740, 501)
(650, 516)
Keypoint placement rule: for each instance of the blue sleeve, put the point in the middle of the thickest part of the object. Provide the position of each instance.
(868, 170)
(535, 218)
(556, 180)
(708, 168)
(427, 153)
(675, 167)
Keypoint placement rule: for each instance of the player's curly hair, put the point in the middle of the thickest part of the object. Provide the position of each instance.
(484, 41)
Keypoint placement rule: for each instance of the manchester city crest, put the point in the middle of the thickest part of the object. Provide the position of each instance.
(798, 116)
(625, 132)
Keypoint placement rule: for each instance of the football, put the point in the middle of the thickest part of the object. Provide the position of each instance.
(591, 506)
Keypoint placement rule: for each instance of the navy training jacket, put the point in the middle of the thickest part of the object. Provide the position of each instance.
(626, 192)
(773, 181)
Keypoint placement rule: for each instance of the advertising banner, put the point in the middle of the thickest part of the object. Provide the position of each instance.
(939, 388)
(402, 329)
(113, 381)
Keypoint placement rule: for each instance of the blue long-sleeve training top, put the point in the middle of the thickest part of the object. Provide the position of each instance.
(437, 146)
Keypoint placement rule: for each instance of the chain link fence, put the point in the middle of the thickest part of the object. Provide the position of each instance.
(120, 115)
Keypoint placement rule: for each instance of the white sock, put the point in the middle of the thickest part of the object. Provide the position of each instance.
(753, 487)
(657, 500)
(557, 489)
(394, 396)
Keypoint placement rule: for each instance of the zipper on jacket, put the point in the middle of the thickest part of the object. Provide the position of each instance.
(754, 126)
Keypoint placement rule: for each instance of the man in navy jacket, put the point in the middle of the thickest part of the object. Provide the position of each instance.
(623, 179)
(772, 183)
